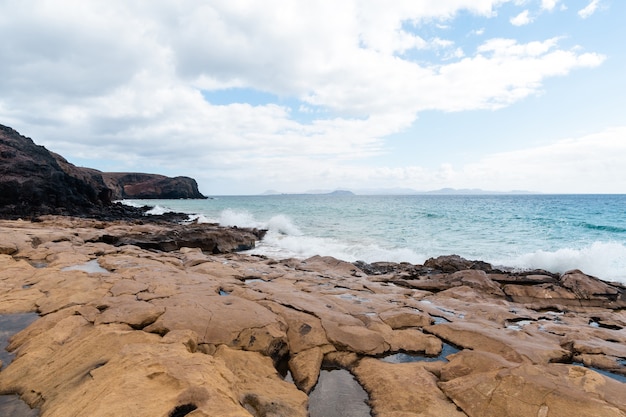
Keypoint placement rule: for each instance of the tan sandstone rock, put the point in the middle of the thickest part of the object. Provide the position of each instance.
(387, 384)
(305, 368)
(531, 390)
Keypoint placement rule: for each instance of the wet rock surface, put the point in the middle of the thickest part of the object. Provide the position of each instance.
(181, 330)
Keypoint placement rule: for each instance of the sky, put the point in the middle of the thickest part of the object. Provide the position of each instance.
(291, 95)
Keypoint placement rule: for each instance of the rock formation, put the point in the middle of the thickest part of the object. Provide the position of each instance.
(32, 178)
(147, 186)
(190, 332)
(35, 181)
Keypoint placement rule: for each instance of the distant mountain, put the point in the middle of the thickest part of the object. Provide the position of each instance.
(311, 192)
(473, 191)
(442, 191)
(270, 192)
(386, 191)
(341, 192)
(404, 191)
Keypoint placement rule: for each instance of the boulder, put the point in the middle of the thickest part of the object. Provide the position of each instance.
(207, 237)
(454, 263)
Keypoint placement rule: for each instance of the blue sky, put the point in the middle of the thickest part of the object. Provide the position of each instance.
(292, 96)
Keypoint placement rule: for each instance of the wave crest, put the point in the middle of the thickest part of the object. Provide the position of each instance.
(605, 260)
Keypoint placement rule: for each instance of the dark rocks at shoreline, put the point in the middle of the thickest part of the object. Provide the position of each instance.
(209, 238)
(537, 288)
(35, 182)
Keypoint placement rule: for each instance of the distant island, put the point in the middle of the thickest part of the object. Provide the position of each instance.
(404, 191)
(475, 191)
(336, 192)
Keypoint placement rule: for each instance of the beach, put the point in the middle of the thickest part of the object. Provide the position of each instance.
(193, 329)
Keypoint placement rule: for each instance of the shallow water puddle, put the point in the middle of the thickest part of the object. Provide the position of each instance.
(440, 320)
(414, 357)
(338, 394)
(518, 325)
(12, 405)
(38, 264)
(91, 267)
(615, 376)
(352, 297)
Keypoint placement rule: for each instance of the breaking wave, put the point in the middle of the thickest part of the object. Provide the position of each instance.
(605, 260)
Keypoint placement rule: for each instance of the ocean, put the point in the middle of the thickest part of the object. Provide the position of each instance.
(552, 232)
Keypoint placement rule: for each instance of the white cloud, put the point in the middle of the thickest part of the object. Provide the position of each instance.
(120, 81)
(589, 164)
(521, 19)
(549, 4)
(589, 10)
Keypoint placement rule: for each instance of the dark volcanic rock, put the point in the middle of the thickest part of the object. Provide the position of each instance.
(207, 237)
(147, 186)
(454, 263)
(35, 181)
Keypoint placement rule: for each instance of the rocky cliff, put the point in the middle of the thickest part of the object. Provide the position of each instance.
(35, 181)
(138, 185)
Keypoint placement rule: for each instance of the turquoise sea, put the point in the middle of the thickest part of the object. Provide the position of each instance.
(552, 232)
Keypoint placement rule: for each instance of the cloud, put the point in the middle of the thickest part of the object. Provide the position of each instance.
(549, 4)
(588, 164)
(123, 82)
(521, 19)
(589, 10)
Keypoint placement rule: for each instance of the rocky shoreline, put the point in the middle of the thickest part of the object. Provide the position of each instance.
(158, 319)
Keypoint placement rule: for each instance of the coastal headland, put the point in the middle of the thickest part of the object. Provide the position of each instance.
(194, 328)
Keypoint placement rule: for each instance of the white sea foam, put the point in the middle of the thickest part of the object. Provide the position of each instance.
(158, 210)
(284, 225)
(239, 218)
(201, 218)
(285, 240)
(605, 260)
(280, 245)
(129, 203)
(279, 224)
